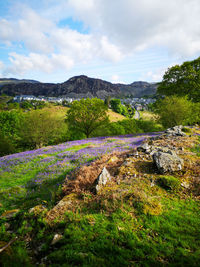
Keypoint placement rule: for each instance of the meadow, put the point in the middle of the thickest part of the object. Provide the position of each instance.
(36, 174)
(131, 223)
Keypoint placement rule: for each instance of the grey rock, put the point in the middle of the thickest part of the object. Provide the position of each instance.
(167, 162)
(56, 238)
(175, 131)
(144, 148)
(103, 178)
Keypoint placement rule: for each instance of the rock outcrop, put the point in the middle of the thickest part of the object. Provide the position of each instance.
(175, 131)
(167, 162)
(102, 180)
(77, 87)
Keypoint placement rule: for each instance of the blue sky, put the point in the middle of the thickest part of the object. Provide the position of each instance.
(115, 40)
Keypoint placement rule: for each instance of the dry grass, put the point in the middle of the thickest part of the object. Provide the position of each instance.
(114, 117)
(148, 115)
(84, 178)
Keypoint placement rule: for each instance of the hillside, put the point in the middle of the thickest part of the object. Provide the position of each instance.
(138, 89)
(4, 81)
(76, 87)
(140, 217)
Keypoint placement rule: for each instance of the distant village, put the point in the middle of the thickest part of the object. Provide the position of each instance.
(136, 103)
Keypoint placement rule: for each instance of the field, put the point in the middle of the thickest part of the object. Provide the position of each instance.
(61, 112)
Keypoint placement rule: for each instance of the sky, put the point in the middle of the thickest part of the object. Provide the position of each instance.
(114, 40)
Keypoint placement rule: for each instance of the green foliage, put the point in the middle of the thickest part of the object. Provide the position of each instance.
(13, 105)
(169, 182)
(26, 105)
(10, 122)
(10, 127)
(87, 115)
(148, 126)
(174, 110)
(6, 145)
(116, 105)
(107, 101)
(128, 126)
(42, 128)
(182, 80)
(125, 110)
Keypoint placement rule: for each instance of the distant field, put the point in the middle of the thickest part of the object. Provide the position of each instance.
(148, 115)
(115, 116)
(61, 112)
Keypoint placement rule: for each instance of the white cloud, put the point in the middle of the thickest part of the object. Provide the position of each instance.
(118, 29)
(154, 76)
(134, 25)
(116, 79)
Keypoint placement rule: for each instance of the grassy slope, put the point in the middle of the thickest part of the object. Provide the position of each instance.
(61, 112)
(148, 115)
(129, 224)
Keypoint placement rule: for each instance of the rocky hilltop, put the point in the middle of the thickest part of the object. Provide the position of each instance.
(76, 87)
(138, 89)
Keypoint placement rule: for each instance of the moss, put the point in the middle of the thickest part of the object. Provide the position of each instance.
(169, 183)
(153, 207)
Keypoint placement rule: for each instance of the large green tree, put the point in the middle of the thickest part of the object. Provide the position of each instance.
(182, 80)
(174, 110)
(86, 115)
(42, 128)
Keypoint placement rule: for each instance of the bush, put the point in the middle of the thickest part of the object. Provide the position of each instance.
(148, 126)
(169, 183)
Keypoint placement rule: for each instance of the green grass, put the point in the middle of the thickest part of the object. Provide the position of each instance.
(17, 189)
(91, 238)
(196, 149)
(128, 224)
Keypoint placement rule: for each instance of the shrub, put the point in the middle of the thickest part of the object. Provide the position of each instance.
(148, 126)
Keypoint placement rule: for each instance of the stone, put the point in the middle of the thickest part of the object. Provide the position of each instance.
(56, 239)
(144, 148)
(185, 185)
(175, 131)
(167, 162)
(103, 178)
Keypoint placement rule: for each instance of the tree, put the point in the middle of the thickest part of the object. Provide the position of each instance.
(86, 115)
(116, 105)
(107, 101)
(42, 128)
(182, 80)
(10, 125)
(174, 110)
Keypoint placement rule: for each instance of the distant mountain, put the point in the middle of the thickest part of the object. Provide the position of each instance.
(138, 89)
(76, 87)
(13, 80)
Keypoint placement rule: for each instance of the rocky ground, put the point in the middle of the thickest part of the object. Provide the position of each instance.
(166, 154)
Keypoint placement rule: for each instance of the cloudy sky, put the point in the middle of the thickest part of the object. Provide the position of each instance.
(115, 40)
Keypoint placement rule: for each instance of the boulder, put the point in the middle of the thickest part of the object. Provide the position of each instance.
(175, 131)
(167, 162)
(102, 179)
